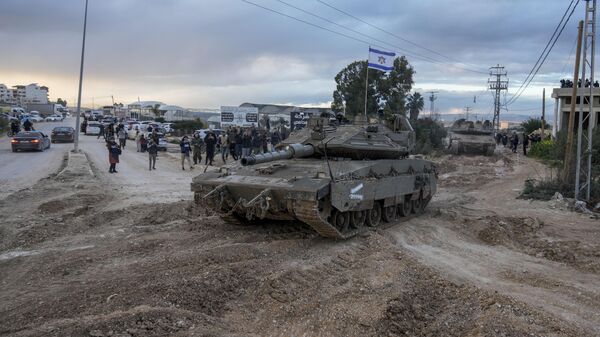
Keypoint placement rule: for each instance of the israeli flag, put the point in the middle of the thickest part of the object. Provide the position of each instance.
(381, 60)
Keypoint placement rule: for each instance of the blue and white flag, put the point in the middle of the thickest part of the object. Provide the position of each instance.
(381, 60)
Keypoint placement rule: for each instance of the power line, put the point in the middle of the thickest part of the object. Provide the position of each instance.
(546, 51)
(394, 35)
(359, 33)
(423, 58)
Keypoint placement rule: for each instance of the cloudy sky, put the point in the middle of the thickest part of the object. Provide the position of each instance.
(201, 53)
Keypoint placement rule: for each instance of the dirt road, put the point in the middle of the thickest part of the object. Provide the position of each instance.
(87, 256)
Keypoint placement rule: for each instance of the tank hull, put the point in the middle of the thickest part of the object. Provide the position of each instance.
(338, 199)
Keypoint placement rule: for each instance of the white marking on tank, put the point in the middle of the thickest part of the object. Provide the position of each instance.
(357, 188)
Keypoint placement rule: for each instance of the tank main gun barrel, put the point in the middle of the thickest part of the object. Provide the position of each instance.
(291, 151)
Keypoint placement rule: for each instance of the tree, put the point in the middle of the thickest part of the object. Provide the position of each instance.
(155, 110)
(414, 105)
(385, 91)
(533, 124)
(61, 102)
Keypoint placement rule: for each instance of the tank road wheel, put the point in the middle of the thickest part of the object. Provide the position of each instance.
(374, 215)
(418, 204)
(357, 219)
(406, 207)
(389, 213)
(341, 221)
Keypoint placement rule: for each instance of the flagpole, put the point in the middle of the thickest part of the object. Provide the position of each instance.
(367, 83)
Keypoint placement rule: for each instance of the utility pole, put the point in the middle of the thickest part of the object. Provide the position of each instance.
(432, 99)
(569, 149)
(543, 111)
(497, 82)
(583, 172)
(467, 109)
(76, 142)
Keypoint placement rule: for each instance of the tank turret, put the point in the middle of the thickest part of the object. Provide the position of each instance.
(471, 137)
(339, 179)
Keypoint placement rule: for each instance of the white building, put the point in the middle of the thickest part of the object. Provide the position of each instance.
(141, 109)
(562, 107)
(24, 94)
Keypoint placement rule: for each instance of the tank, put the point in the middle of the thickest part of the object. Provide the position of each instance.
(338, 179)
(468, 137)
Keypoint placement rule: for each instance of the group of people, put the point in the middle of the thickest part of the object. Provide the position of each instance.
(235, 141)
(513, 140)
(15, 126)
(240, 142)
(566, 83)
(193, 149)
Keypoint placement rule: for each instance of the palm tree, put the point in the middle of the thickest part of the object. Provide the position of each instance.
(155, 110)
(414, 105)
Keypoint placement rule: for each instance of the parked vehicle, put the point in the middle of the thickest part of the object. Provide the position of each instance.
(54, 118)
(62, 134)
(93, 128)
(203, 132)
(46, 109)
(168, 127)
(30, 140)
(34, 116)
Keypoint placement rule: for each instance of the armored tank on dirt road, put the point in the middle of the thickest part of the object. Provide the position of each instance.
(338, 179)
(468, 137)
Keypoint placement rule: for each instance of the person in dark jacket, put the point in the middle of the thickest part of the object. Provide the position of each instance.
(514, 142)
(504, 140)
(114, 150)
(239, 137)
(152, 154)
(525, 144)
(256, 143)
(27, 125)
(275, 138)
(211, 141)
(246, 143)
(101, 133)
(264, 138)
(186, 147)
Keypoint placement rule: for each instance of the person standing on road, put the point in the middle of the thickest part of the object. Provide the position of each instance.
(185, 152)
(239, 137)
(246, 144)
(143, 143)
(113, 155)
(197, 148)
(101, 133)
(137, 139)
(211, 141)
(514, 142)
(152, 154)
(224, 147)
(122, 137)
(525, 144)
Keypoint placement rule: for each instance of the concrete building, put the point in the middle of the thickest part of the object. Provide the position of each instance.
(22, 95)
(562, 107)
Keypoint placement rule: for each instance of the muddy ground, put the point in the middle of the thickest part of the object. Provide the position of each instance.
(480, 262)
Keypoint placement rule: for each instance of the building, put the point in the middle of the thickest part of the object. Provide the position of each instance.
(22, 95)
(143, 109)
(562, 107)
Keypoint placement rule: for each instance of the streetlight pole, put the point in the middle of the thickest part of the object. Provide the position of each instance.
(77, 125)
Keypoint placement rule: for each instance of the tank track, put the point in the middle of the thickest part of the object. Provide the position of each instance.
(308, 213)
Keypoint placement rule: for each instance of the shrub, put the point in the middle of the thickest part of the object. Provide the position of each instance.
(429, 135)
(187, 127)
(533, 124)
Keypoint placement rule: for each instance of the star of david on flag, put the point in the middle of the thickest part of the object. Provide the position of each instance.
(381, 60)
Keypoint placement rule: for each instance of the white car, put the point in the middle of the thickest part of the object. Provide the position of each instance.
(54, 118)
(168, 127)
(35, 118)
(93, 128)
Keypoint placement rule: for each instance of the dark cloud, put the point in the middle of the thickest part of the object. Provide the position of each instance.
(207, 53)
